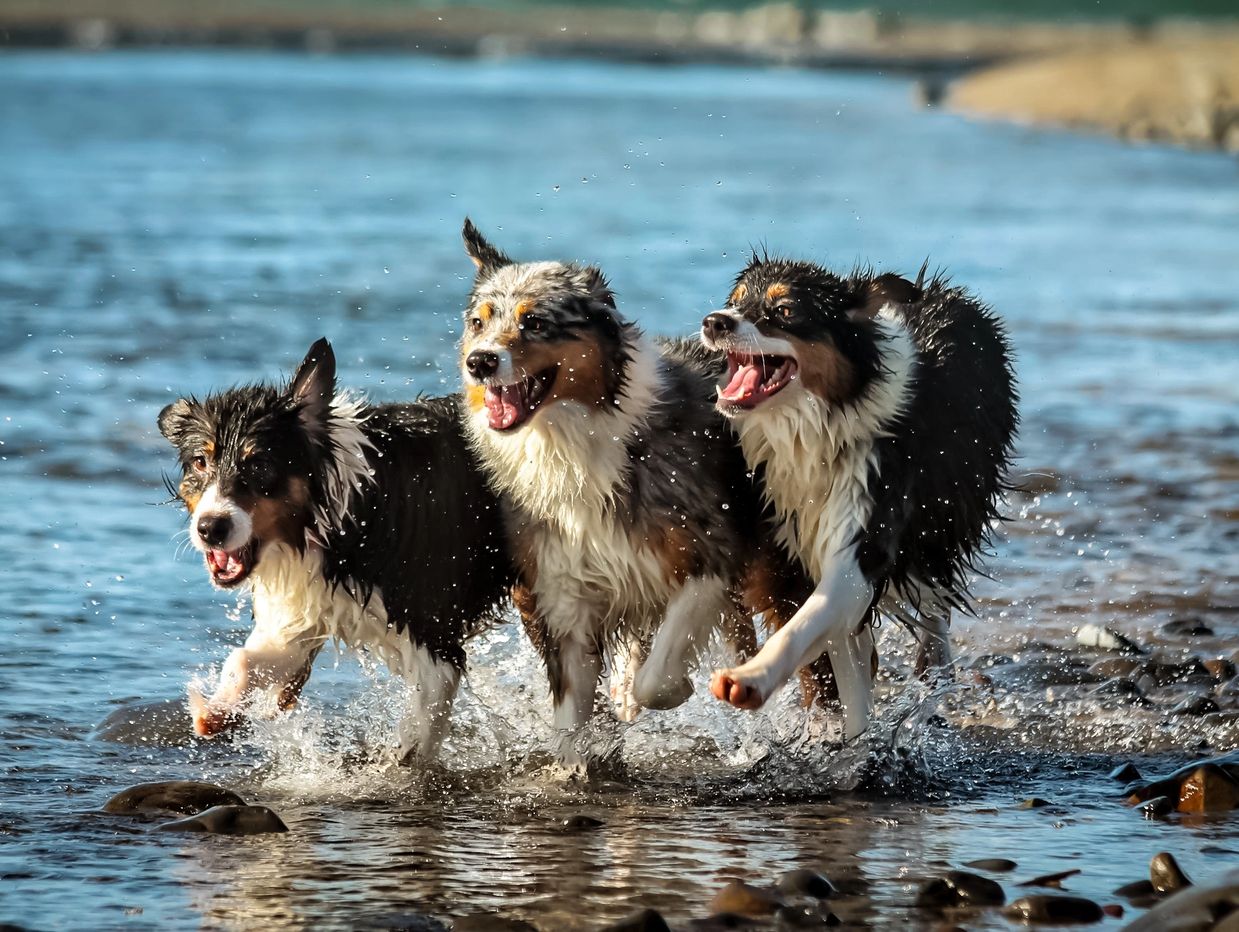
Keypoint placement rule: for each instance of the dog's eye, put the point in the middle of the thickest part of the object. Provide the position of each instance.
(198, 463)
(532, 323)
(476, 324)
(785, 312)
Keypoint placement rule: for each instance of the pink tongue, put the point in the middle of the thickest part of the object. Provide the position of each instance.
(742, 384)
(504, 406)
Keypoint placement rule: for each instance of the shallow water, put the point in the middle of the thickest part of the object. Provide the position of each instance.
(177, 222)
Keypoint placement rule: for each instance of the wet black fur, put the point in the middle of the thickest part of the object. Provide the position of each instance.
(426, 531)
(942, 469)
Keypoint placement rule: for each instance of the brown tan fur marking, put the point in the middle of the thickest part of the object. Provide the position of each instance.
(824, 370)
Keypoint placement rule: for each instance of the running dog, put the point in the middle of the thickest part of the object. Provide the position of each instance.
(369, 524)
(880, 415)
(630, 514)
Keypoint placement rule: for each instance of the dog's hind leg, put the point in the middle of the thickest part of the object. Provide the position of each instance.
(829, 622)
(425, 722)
(627, 658)
(694, 613)
(933, 656)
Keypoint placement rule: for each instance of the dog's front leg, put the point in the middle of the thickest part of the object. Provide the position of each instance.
(574, 667)
(693, 615)
(425, 722)
(829, 622)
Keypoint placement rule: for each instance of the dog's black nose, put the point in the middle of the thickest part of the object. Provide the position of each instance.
(214, 529)
(482, 363)
(718, 325)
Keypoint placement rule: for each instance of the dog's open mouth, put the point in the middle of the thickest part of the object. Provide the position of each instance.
(753, 379)
(230, 567)
(510, 406)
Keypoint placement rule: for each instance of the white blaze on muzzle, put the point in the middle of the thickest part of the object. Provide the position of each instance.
(214, 505)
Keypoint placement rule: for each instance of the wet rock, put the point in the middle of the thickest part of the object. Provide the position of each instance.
(1114, 910)
(229, 820)
(794, 917)
(1106, 639)
(1034, 802)
(1208, 788)
(1200, 705)
(1165, 874)
(1045, 907)
(1167, 672)
(960, 888)
(993, 865)
(1219, 668)
(745, 900)
(399, 922)
(1054, 880)
(1193, 909)
(1124, 689)
(723, 921)
(1158, 807)
(645, 920)
(1226, 765)
(1192, 626)
(485, 922)
(805, 882)
(165, 724)
(1125, 773)
(187, 797)
(581, 823)
(1110, 667)
(1136, 890)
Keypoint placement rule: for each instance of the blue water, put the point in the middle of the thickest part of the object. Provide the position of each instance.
(176, 222)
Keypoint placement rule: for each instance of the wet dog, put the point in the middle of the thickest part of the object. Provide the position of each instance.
(368, 524)
(630, 514)
(880, 415)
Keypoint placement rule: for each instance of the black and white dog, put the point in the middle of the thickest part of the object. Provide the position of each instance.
(880, 414)
(630, 514)
(368, 524)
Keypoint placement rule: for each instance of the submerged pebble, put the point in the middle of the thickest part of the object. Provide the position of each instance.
(1219, 668)
(1192, 626)
(993, 865)
(1051, 880)
(1158, 807)
(229, 820)
(1205, 908)
(164, 723)
(645, 920)
(744, 899)
(187, 797)
(1200, 705)
(960, 888)
(1045, 907)
(1125, 773)
(805, 882)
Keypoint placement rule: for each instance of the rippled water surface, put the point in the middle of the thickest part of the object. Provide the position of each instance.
(176, 222)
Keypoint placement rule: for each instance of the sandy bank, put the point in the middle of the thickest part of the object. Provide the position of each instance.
(1182, 89)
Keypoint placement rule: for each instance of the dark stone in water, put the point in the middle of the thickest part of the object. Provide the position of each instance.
(1044, 907)
(993, 865)
(959, 888)
(165, 723)
(1125, 773)
(645, 920)
(745, 900)
(795, 917)
(1193, 626)
(1167, 672)
(1201, 705)
(187, 797)
(1136, 890)
(1050, 880)
(1219, 668)
(805, 882)
(1110, 667)
(484, 922)
(1165, 873)
(1114, 910)
(581, 823)
(721, 922)
(1157, 808)
(399, 922)
(1124, 689)
(1034, 802)
(1213, 907)
(229, 820)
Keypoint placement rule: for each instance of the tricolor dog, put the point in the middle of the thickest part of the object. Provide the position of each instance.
(367, 524)
(630, 514)
(880, 415)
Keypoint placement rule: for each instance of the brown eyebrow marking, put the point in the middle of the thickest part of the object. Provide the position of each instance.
(777, 290)
(485, 310)
(522, 308)
(738, 295)
(208, 449)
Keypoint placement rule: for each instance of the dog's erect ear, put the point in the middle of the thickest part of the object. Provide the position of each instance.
(883, 290)
(485, 256)
(314, 385)
(174, 418)
(598, 286)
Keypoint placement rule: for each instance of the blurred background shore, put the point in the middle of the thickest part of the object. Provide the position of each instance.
(1134, 68)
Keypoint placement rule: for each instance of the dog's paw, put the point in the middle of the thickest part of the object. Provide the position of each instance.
(729, 686)
(662, 692)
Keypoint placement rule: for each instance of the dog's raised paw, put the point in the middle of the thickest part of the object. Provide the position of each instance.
(728, 687)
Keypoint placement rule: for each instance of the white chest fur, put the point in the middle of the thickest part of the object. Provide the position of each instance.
(818, 457)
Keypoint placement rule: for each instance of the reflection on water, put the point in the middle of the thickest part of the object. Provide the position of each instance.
(181, 222)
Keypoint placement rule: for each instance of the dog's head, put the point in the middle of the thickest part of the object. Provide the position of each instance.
(249, 457)
(537, 334)
(793, 327)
